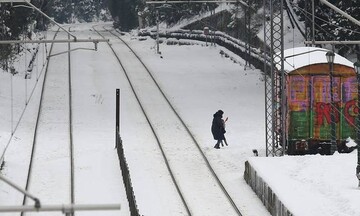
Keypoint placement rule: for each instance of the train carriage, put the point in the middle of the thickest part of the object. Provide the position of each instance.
(309, 101)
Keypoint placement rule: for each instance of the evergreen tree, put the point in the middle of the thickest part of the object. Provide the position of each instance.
(62, 11)
(124, 13)
(13, 23)
(86, 10)
(330, 25)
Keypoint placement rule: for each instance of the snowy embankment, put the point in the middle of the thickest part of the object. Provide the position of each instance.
(198, 81)
(17, 86)
(97, 173)
(314, 184)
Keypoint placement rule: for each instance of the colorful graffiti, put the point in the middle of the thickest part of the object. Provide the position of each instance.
(309, 106)
(323, 111)
(349, 110)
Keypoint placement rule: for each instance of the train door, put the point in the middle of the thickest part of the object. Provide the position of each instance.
(298, 108)
(349, 109)
(321, 106)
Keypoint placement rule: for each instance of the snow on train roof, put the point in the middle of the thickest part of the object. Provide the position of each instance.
(302, 56)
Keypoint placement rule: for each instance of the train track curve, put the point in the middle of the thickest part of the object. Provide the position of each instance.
(189, 162)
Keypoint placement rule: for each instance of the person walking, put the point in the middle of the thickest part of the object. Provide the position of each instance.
(218, 128)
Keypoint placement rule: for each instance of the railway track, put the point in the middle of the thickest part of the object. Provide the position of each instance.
(195, 180)
(51, 162)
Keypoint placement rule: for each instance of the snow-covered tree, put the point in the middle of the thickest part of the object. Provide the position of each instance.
(125, 13)
(330, 25)
(13, 23)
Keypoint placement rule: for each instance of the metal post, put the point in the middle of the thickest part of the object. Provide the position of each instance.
(65, 209)
(247, 47)
(27, 194)
(249, 34)
(313, 23)
(357, 70)
(275, 115)
(117, 131)
(357, 128)
(157, 32)
(333, 146)
(12, 97)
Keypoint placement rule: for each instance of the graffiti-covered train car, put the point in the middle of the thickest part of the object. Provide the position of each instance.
(309, 101)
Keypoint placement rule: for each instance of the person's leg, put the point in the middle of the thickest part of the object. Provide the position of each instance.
(217, 144)
(225, 141)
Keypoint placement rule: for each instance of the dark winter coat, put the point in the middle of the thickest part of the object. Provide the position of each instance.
(217, 127)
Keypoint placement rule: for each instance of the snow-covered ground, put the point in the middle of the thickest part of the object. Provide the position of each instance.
(95, 77)
(314, 184)
(198, 81)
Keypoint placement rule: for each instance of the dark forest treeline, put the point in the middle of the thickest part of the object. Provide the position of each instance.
(330, 25)
(19, 22)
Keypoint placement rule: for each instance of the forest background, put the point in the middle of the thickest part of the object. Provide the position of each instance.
(19, 23)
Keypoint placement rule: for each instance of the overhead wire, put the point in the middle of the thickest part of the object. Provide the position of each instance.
(333, 106)
(319, 18)
(327, 32)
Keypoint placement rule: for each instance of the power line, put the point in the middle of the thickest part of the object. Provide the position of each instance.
(305, 13)
(199, 1)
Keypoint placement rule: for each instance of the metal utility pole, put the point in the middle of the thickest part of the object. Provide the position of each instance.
(313, 22)
(275, 104)
(248, 33)
(117, 121)
(357, 70)
(157, 32)
(333, 146)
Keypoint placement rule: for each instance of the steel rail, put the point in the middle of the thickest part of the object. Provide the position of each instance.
(184, 125)
(67, 209)
(72, 196)
(71, 145)
(152, 129)
(36, 126)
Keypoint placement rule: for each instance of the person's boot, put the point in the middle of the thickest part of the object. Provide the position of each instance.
(217, 146)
